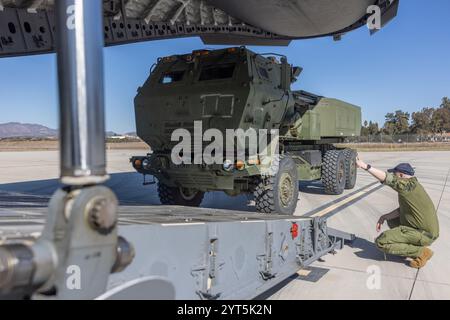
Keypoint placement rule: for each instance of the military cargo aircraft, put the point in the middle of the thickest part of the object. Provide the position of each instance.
(28, 26)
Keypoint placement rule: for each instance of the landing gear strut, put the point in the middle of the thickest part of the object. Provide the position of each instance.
(79, 247)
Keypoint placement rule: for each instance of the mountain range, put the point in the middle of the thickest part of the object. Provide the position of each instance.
(28, 130)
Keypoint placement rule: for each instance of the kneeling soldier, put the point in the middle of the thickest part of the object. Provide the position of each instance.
(414, 225)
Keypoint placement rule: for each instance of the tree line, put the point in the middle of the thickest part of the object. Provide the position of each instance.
(427, 121)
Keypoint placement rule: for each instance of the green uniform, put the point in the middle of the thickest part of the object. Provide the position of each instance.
(418, 225)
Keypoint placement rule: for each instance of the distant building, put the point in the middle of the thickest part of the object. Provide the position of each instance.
(118, 137)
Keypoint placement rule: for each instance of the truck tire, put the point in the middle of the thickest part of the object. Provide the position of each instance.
(278, 193)
(174, 196)
(350, 168)
(333, 172)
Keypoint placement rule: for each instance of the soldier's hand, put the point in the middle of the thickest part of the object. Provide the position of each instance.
(361, 164)
(380, 223)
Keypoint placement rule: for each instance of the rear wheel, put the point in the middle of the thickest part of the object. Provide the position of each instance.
(334, 172)
(179, 196)
(351, 168)
(278, 193)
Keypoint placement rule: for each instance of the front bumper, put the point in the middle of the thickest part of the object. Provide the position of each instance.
(201, 177)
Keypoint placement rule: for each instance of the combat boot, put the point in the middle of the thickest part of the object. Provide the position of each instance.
(422, 260)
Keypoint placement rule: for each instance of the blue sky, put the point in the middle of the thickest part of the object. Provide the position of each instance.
(406, 65)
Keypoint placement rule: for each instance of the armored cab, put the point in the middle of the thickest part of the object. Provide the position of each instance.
(202, 96)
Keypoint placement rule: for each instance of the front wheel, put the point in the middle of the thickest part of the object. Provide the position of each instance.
(174, 196)
(278, 193)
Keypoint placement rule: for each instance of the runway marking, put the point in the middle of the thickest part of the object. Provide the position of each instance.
(183, 224)
(21, 223)
(359, 195)
(338, 205)
(254, 221)
(132, 221)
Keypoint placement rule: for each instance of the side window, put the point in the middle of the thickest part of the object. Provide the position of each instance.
(217, 72)
(263, 73)
(171, 77)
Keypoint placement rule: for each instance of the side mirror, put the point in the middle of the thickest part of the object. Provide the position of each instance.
(296, 72)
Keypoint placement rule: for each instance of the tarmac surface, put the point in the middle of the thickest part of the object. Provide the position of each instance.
(360, 271)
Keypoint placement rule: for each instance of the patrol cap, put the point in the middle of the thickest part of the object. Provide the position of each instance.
(404, 168)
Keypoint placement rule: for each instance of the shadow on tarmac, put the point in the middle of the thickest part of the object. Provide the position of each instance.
(369, 251)
(128, 189)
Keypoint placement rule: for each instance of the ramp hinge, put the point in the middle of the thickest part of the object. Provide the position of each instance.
(266, 260)
(304, 246)
(208, 273)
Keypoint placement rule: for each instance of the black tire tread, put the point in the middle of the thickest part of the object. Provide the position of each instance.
(349, 155)
(171, 196)
(329, 172)
(265, 195)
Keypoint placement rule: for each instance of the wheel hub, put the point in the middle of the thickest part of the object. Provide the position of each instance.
(286, 190)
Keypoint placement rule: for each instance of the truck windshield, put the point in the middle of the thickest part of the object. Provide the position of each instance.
(171, 77)
(217, 72)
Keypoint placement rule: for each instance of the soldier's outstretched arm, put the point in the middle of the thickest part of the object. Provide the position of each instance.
(377, 173)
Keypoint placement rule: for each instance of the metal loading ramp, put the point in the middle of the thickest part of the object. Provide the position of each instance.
(219, 256)
(191, 253)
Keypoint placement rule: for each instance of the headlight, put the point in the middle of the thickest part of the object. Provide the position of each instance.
(137, 164)
(240, 165)
(228, 165)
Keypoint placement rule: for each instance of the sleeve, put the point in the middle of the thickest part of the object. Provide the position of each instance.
(399, 185)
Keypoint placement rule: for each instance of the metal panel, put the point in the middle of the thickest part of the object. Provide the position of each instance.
(107, 30)
(118, 30)
(11, 40)
(220, 260)
(133, 29)
(36, 31)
